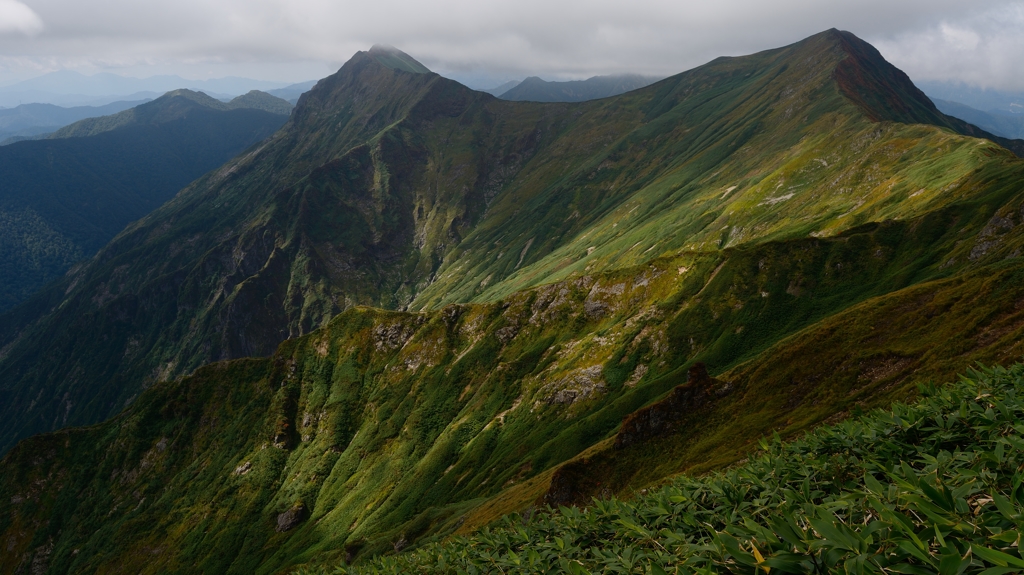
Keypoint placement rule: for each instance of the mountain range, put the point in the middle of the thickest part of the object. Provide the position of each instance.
(1003, 124)
(63, 198)
(417, 307)
(985, 99)
(30, 120)
(533, 89)
(69, 88)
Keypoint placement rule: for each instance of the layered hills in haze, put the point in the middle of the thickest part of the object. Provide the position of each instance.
(31, 120)
(63, 198)
(418, 307)
(533, 89)
(1003, 124)
(70, 88)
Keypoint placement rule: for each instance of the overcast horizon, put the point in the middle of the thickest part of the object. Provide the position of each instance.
(485, 45)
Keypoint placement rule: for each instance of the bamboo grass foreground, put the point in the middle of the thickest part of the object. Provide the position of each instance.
(931, 487)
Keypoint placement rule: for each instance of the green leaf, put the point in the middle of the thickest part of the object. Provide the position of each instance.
(949, 564)
(1004, 506)
(998, 557)
(999, 570)
(873, 484)
(656, 570)
(911, 569)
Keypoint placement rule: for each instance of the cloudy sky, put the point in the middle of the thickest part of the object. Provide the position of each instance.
(480, 42)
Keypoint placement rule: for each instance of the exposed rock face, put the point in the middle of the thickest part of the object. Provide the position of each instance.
(665, 416)
(579, 481)
(574, 483)
(291, 518)
(579, 385)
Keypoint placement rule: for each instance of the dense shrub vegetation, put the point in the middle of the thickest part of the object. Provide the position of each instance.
(933, 487)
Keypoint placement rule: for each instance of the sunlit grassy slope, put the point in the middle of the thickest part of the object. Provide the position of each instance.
(929, 487)
(785, 218)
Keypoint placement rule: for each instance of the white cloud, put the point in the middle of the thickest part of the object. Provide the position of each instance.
(301, 39)
(982, 48)
(960, 39)
(17, 17)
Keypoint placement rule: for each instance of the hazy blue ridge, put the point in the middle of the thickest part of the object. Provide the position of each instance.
(499, 90)
(533, 89)
(999, 123)
(985, 99)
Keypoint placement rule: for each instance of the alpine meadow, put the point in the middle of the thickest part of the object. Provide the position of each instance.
(764, 314)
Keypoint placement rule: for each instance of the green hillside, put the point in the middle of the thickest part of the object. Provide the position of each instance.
(61, 200)
(417, 308)
(928, 488)
(384, 427)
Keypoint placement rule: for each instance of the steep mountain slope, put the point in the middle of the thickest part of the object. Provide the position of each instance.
(533, 89)
(880, 493)
(394, 187)
(775, 217)
(63, 199)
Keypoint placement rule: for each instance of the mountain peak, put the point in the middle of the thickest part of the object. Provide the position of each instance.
(394, 58)
(200, 98)
(886, 93)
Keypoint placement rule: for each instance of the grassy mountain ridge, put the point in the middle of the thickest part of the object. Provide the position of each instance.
(740, 155)
(562, 267)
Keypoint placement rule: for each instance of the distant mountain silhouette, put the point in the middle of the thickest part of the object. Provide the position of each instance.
(533, 89)
(292, 92)
(498, 91)
(999, 123)
(69, 88)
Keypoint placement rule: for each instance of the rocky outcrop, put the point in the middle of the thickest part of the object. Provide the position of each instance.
(292, 518)
(580, 480)
(575, 483)
(665, 416)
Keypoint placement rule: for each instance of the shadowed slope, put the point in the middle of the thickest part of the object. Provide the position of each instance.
(61, 200)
